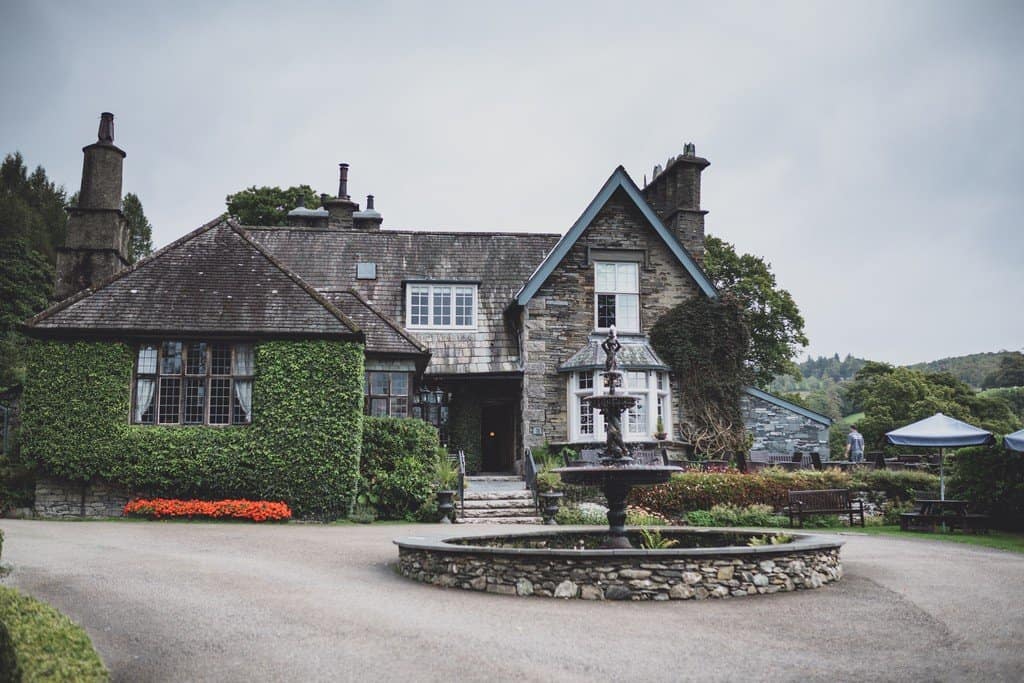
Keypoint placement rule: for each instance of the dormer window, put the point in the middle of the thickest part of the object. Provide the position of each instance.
(617, 296)
(441, 306)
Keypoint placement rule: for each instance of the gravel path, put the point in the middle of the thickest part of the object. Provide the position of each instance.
(233, 602)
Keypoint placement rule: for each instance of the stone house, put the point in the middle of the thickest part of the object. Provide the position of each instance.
(492, 336)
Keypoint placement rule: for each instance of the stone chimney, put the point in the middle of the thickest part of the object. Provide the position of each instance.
(340, 208)
(97, 241)
(369, 219)
(674, 194)
(300, 216)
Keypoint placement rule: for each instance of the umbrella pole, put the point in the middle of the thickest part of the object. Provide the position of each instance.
(942, 477)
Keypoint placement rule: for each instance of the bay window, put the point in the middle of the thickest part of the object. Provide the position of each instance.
(193, 383)
(617, 296)
(639, 423)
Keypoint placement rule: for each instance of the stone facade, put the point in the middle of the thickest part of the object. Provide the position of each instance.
(622, 577)
(60, 498)
(780, 430)
(559, 319)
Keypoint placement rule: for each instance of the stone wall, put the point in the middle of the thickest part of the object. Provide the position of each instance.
(779, 430)
(559, 319)
(623, 578)
(62, 498)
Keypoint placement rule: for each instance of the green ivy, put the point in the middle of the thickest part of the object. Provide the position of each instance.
(303, 446)
(397, 467)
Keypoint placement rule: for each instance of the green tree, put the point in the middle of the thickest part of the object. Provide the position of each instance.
(269, 205)
(776, 326)
(140, 231)
(1009, 374)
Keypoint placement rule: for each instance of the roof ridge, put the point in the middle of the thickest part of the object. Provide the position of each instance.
(142, 262)
(409, 231)
(317, 296)
(386, 318)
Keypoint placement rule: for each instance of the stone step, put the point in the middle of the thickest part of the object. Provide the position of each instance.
(499, 503)
(494, 477)
(501, 520)
(498, 495)
(502, 512)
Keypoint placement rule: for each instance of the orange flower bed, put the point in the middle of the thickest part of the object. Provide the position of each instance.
(255, 510)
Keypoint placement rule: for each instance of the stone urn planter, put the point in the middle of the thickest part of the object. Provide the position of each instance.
(549, 505)
(445, 506)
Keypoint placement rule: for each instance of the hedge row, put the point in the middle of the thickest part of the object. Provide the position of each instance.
(703, 490)
(39, 644)
(397, 466)
(993, 479)
(302, 447)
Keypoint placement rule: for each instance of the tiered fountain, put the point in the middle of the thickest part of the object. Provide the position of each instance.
(617, 472)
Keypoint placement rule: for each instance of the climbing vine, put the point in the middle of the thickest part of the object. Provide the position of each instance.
(706, 342)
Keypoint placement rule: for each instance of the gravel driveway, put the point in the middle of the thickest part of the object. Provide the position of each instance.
(233, 602)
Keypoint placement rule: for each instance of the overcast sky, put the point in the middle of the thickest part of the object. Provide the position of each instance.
(873, 153)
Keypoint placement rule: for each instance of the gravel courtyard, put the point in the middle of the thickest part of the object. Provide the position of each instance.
(232, 602)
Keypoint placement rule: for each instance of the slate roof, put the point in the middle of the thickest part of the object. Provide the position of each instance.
(498, 263)
(215, 280)
(824, 420)
(383, 335)
(635, 354)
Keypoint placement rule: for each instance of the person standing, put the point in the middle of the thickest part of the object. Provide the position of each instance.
(855, 445)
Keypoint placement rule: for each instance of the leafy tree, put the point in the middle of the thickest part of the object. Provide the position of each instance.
(269, 205)
(776, 326)
(1009, 374)
(140, 231)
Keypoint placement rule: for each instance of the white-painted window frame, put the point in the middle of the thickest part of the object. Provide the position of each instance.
(618, 292)
(454, 289)
(655, 394)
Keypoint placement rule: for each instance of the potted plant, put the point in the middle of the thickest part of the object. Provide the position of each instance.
(446, 477)
(659, 431)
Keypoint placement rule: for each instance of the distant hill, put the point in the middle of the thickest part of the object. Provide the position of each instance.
(825, 370)
(972, 369)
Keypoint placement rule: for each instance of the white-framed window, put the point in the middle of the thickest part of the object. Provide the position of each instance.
(447, 306)
(617, 296)
(650, 388)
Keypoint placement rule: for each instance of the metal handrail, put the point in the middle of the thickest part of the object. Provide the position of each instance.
(530, 473)
(461, 507)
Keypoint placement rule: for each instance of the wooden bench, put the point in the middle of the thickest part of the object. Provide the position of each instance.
(826, 501)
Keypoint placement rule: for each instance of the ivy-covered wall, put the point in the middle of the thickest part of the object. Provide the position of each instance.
(464, 428)
(302, 447)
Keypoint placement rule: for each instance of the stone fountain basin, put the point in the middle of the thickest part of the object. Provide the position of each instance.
(486, 563)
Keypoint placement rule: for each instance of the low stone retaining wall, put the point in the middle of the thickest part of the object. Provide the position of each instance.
(66, 499)
(689, 574)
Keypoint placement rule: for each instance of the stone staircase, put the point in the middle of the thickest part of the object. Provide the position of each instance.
(498, 499)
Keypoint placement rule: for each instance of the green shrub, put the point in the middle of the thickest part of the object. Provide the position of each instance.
(894, 484)
(892, 509)
(992, 478)
(574, 516)
(302, 447)
(399, 464)
(39, 644)
(732, 515)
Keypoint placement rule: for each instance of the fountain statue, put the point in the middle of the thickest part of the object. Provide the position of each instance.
(617, 472)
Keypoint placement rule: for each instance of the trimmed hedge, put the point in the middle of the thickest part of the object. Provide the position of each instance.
(397, 467)
(302, 447)
(703, 490)
(39, 644)
(993, 479)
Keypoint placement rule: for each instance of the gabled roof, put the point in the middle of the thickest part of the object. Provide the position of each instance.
(619, 179)
(635, 354)
(383, 335)
(215, 280)
(788, 405)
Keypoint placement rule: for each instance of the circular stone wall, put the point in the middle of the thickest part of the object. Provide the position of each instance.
(638, 574)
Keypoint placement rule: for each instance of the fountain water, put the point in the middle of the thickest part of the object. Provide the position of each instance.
(618, 472)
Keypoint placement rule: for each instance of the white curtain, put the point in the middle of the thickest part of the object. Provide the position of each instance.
(143, 397)
(243, 359)
(243, 391)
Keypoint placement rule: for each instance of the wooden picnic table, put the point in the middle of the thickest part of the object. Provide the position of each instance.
(951, 514)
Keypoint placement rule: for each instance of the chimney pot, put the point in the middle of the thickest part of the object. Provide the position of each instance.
(343, 181)
(302, 202)
(106, 132)
(369, 202)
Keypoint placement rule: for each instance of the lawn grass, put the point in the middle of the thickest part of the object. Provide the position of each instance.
(854, 418)
(1001, 540)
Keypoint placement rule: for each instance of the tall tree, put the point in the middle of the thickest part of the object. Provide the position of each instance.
(269, 205)
(776, 326)
(140, 231)
(1009, 374)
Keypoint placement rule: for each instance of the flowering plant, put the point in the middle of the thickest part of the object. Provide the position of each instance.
(254, 510)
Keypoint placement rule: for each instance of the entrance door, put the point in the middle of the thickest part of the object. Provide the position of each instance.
(497, 442)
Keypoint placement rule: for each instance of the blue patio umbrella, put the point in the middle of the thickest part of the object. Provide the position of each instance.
(1015, 441)
(939, 431)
